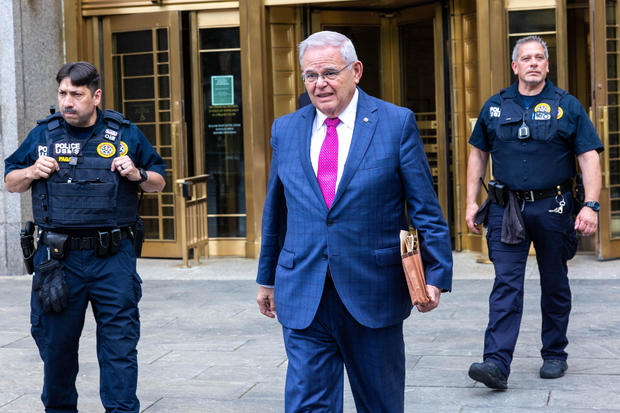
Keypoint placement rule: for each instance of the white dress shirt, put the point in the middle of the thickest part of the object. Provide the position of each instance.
(345, 133)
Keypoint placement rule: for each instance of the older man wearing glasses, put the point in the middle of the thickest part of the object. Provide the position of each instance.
(341, 172)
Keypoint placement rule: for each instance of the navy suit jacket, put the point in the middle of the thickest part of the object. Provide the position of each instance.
(358, 238)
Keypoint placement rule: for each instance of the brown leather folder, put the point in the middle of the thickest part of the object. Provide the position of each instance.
(412, 265)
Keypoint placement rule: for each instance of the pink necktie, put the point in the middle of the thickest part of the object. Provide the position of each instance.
(327, 172)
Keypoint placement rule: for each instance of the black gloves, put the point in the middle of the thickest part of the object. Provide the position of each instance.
(50, 286)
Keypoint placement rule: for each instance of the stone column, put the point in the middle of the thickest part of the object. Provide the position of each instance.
(31, 52)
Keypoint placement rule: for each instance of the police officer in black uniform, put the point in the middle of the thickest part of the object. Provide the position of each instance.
(85, 168)
(533, 131)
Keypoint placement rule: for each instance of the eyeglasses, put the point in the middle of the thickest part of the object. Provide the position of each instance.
(312, 77)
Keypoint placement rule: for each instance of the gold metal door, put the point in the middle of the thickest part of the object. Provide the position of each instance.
(402, 53)
(142, 73)
(219, 146)
(605, 32)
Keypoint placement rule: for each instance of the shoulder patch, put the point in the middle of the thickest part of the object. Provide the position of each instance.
(542, 107)
(560, 112)
(106, 149)
(124, 149)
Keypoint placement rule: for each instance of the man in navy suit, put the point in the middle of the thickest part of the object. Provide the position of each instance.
(341, 171)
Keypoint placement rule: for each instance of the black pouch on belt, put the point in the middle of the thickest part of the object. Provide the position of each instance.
(103, 243)
(57, 244)
(498, 192)
(115, 241)
(50, 286)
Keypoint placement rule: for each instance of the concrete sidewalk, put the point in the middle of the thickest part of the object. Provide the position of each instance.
(206, 348)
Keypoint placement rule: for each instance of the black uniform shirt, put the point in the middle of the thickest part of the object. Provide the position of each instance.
(557, 133)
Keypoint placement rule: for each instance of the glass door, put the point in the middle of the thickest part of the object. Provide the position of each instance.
(143, 81)
(421, 70)
(402, 55)
(605, 32)
(218, 126)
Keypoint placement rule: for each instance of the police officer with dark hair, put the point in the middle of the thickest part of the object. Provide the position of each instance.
(533, 131)
(85, 168)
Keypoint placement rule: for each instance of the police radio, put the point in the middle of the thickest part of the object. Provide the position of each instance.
(524, 131)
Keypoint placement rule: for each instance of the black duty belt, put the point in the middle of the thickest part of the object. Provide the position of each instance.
(84, 241)
(533, 195)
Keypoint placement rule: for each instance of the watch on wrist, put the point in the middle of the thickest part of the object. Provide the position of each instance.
(594, 205)
(143, 176)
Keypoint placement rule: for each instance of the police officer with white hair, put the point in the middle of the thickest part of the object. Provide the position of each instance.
(533, 131)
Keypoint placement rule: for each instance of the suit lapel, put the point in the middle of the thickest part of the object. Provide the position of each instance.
(304, 151)
(365, 125)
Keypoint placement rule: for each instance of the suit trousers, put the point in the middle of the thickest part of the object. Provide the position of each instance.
(113, 288)
(374, 359)
(555, 243)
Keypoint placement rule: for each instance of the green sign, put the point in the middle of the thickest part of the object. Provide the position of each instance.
(222, 90)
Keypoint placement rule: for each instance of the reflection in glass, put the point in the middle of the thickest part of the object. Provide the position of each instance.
(531, 21)
(139, 88)
(132, 42)
(221, 38)
(612, 65)
(151, 228)
(168, 225)
(164, 134)
(162, 69)
(138, 65)
(418, 66)
(150, 133)
(162, 39)
(139, 112)
(164, 86)
(149, 205)
(223, 133)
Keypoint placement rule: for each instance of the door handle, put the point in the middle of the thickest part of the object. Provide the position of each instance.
(604, 128)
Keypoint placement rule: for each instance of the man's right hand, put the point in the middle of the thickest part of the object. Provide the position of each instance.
(42, 168)
(265, 300)
(19, 180)
(470, 213)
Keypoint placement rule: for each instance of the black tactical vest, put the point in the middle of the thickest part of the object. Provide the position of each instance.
(84, 193)
(540, 161)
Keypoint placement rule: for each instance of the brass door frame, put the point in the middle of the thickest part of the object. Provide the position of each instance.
(431, 12)
(606, 247)
(390, 64)
(171, 20)
(229, 246)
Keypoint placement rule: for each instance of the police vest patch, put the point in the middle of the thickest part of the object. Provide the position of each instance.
(560, 112)
(42, 150)
(542, 107)
(106, 149)
(541, 116)
(110, 134)
(67, 148)
(542, 111)
(124, 149)
(494, 112)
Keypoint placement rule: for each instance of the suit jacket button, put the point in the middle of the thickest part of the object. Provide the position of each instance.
(324, 256)
(329, 222)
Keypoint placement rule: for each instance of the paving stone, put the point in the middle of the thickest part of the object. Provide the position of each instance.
(204, 346)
